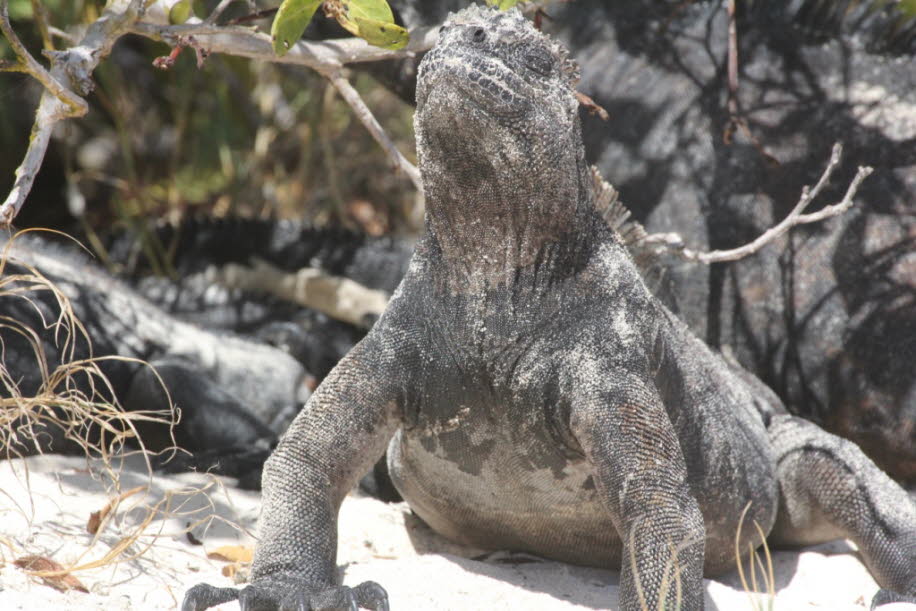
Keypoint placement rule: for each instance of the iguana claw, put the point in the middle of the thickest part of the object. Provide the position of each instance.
(203, 596)
(287, 596)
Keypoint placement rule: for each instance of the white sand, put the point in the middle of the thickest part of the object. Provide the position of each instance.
(381, 542)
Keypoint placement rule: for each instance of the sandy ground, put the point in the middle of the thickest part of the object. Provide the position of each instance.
(381, 542)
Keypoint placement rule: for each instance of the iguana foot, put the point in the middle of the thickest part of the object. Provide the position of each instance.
(203, 596)
(887, 597)
(293, 595)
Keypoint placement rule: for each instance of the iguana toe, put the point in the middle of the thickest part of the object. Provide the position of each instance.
(367, 595)
(371, 595)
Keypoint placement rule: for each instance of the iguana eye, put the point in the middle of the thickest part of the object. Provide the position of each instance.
(540, 61)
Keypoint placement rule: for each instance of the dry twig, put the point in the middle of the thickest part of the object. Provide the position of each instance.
(326, 57)
(336, 296)
(675, 243)
(67, 81)
(349, 93)
(244, 41)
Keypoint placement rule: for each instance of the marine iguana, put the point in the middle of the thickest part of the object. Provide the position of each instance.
(532, 393)
(235, 395)
(825, 316)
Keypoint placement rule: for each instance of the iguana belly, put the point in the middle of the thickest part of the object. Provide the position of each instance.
(480, 489)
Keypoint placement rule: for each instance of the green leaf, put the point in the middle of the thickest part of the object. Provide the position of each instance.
(373, 21)
(503, 5)
(292, 18)
(180, 12)
(908, 7)
(368, 9)
(382, 34)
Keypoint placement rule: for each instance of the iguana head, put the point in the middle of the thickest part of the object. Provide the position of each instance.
(499, 141)
(494, 64)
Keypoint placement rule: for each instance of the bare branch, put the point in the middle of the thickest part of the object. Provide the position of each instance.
(68, 80)
(71, 70)
(77, 106)
(674, 242)
(336, 296)
(320, 55)
(327, 58)
(41, 20)
(371, 123)
(222, 6)
(12, 66)
(65, 36)
(732, 72)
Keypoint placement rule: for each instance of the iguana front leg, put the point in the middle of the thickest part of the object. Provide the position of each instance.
(340, 433)
(640, 471)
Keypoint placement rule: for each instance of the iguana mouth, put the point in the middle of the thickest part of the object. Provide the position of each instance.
(495, 92)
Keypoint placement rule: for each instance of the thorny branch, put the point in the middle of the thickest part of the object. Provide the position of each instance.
(674, 243)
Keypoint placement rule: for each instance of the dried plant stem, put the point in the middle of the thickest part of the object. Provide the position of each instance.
(673, 242)
(349, 93)
(244, 41)
(70, 75)
(327, 58)
(222, 6)
(336, 296)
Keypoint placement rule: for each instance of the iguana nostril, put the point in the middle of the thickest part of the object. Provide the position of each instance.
(479, 35)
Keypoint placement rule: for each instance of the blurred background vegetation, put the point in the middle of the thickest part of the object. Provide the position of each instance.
(235, 137)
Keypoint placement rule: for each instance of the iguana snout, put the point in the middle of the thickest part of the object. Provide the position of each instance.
(495, 64)
(473, 77)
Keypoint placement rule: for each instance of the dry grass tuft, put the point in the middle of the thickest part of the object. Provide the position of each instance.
(75, 400)
(74, 397)
(755, 564)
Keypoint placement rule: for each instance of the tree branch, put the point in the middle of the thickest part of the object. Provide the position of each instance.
(366, 117)
(77, 106)
(336, 296)
(243, 41)
(65, 84)
(325, 57)
(674, 242)
(222, 6)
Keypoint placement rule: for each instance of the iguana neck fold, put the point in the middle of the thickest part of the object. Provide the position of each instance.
(496, 226)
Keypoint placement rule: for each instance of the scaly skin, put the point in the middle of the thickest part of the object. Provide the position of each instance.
(826, 316)
(533, 394)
